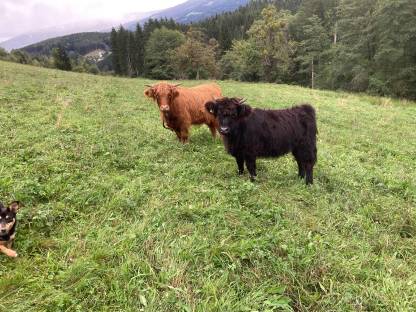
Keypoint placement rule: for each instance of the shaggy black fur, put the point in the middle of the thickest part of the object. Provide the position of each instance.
(250, 133)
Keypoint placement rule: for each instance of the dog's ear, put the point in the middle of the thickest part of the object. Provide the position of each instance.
(243, 110)
(150, 93)
(15, 206)
(211, 107)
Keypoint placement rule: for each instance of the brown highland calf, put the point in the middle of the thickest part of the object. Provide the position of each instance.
(182, 107)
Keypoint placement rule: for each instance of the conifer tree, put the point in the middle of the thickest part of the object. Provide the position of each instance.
(131, 55)
(3, 54)
(395, 56)
(122, 43)
(139, 56)
(115, 52)
(61, 59)
(353, 55)
(315, 41)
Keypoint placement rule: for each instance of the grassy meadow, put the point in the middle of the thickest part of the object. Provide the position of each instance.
(120, 216)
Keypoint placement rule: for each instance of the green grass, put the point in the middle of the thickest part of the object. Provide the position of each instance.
(120, 216)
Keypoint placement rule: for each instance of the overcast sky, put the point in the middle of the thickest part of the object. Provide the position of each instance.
(22, 16)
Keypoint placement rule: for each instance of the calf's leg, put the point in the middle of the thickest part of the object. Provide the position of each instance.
(305, 156)
(178, 134)
(309, 173)
(184, 135)
(213, 130)
(240, 163)
(311, 163)
(301, 167)
(251, 167)
(301, 170)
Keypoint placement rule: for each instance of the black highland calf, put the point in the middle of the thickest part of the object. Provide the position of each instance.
(251, 133)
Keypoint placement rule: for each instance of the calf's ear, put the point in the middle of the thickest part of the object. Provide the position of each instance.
(15, 206)
(211, 107)
(175, 93)
(149, 93)
(243, 110)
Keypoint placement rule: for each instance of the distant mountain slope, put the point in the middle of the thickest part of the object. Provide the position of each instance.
(193, 10)
(67, 29)
(190, 11)
(81, 44)
(52, 32)
(26, 39)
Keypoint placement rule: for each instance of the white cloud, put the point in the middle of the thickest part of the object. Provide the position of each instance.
(21, 16)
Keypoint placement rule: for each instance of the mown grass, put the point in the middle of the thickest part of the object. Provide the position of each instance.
(120, 216)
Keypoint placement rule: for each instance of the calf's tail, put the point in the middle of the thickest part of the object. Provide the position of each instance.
(309, 119)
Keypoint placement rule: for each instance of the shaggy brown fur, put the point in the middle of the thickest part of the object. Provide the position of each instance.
(182, 107)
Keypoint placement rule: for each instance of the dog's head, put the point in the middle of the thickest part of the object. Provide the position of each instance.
(8, 217)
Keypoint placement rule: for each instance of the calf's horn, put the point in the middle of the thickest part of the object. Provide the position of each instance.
(148, 86)
(177, 85)
(242, 101)
(164, 126)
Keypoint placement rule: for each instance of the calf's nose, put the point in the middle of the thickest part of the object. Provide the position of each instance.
(164, 108)
(224, 130)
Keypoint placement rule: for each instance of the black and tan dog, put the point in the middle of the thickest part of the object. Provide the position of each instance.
(8, 227)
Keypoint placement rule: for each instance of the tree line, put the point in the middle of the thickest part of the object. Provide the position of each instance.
(80, 44)
(354, 45)
(52, 53)
(58, 59)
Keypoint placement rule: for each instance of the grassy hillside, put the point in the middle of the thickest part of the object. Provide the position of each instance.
(119, 216)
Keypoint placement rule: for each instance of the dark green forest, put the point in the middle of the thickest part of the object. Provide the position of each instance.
(354, 45)
(81, 43)
(69, 52)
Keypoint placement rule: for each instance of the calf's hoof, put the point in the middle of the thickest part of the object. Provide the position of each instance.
(253, 178)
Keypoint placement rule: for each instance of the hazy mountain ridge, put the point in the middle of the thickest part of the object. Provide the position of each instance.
(187, 12)
(24, 40)
(81, 43)
(193, 11)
